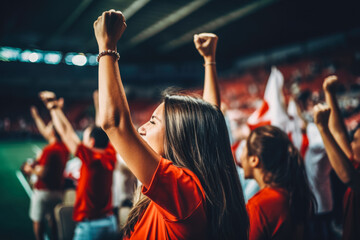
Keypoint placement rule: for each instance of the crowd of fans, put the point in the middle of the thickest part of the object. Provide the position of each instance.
(189, 186)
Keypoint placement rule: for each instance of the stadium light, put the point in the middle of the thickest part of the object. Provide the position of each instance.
(33, 57)
(92, 59)
(9, 54)
(79, 60)
(30, 56)
(24, 57)
(68, 58)
(52, 58)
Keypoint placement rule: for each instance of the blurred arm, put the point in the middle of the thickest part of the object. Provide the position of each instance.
(338, 159)
(65, 130)
(336, 122)
(43, 129)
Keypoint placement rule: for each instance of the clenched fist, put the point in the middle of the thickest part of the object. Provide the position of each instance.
(321, 115)
(47, 96)
(108, 29)
(206, 43)
(50, 101)
(330, 83)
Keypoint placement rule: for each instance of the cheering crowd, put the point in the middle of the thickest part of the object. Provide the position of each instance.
(188, 185)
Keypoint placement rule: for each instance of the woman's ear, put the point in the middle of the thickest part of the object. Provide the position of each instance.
(92, 142)
(254, 161)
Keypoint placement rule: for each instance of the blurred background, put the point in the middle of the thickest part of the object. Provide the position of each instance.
(50, 45)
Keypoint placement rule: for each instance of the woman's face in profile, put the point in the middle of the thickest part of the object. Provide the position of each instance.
(245, 163)
(153, 131)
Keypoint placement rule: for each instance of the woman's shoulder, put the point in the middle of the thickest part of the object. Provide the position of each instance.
(180, 175)
(176, 191)
(269, 196)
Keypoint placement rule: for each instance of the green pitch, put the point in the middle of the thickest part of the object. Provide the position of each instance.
(14, 201)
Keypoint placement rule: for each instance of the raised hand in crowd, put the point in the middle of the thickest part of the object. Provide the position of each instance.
(61, 123)
(337, 157)
(330, 83)
(206, 44)
(321, 115)
(336, 122)
(108, 28)
(45, 130)
(114, 112)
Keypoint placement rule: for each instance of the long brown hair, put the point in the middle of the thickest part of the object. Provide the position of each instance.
(196, 138)
(283, 167)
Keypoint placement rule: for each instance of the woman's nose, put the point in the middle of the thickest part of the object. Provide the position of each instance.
(142, 131)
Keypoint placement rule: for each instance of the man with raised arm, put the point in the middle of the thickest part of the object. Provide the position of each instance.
(93, 205)
(344, 156)
(49, 168)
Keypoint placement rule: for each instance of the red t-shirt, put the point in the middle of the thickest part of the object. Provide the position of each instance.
(269, 215)
(177, 207)
(53, 159)
(351, 220)
(93, 192)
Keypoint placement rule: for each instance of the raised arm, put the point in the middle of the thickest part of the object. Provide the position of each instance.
(114, 113)
(61, 123)
(206, 43)
(39, 122)
(338, 159)
(336, 122)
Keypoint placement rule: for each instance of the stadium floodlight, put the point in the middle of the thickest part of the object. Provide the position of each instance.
(52, 58)
(24, 57)
(9, 54)
(68, 58)
(92, 59)
(30, 56)
(34, 57)
(79, 60)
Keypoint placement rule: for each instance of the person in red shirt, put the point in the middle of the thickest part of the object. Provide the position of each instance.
(93, 205)
(344, 155)
(182, 156)
(285, 202)
(49, 168)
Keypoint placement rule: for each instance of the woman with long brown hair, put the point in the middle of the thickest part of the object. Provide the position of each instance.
(284, 203)
(190, 188)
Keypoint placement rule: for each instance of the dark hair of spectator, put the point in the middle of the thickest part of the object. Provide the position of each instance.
(100, 137)
(283, 167)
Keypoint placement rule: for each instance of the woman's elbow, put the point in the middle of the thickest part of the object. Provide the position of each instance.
(345, 177)
(119, 122)
(107, 125)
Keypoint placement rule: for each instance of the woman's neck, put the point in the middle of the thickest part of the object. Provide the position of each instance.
(259, 178)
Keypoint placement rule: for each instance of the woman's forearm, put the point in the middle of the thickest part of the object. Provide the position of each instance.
(113, 106)
(337, 125)
(338, 159)
(211, 87)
